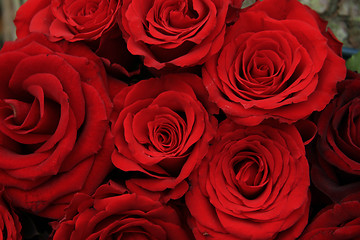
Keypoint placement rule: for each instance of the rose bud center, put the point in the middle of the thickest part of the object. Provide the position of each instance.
(250, 174)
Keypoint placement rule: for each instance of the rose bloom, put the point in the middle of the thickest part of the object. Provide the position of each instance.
(72, 20)
(336, 164)
(54, 123)
(253, 184)
(174, 33)
(10, 226)
(340, 221)
(92, 22)
(162, 133)
(278, 61)
(111, 213)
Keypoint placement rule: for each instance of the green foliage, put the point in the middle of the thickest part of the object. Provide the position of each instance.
(353, 63)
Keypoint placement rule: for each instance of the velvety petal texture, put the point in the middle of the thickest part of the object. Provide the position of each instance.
(112, 213)
(162, 132)
(277, 61)
(54, 123)
(10, 226)
(337, 150)
(177, 120)
(90, 21)
(178, 33)
(253, 184)
(340, 221)
(72, 20)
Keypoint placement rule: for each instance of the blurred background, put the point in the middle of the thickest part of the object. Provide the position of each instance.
(343, 17)
(7, 13)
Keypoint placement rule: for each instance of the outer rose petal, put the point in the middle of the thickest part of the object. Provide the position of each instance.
(10, 224)
(27, 11)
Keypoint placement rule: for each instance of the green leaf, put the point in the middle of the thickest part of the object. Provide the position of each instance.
(353, 63)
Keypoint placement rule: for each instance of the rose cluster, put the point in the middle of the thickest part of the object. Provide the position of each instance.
(177, 119)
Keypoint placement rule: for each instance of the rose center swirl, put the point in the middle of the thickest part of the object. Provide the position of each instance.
(250, 174)
(347, 121)
(177, 14)
(38, 118)
(165, 133)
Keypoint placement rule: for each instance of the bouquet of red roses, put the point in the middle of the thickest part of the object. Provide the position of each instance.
(177, 119)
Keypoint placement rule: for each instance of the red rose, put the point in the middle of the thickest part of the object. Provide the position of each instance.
(113, 214)
(10, 226)
(336, 166)
(92, 22)
(340, 221)
(253, 184)
(54, 131)
(162, 132)
(176, 33)
(277, 62)
(72, 20)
